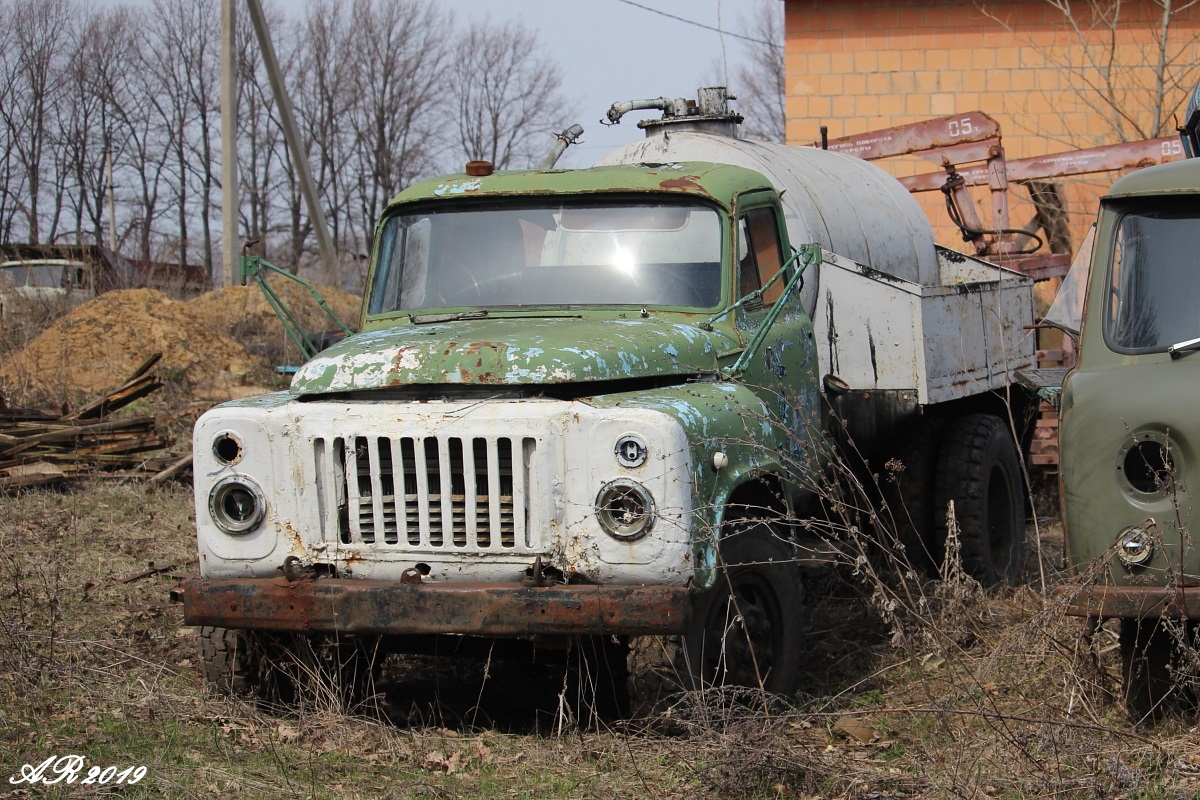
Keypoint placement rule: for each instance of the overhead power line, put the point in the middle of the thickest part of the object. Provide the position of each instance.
(775, 45)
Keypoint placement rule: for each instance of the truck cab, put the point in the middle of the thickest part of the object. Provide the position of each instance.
(1129, 431)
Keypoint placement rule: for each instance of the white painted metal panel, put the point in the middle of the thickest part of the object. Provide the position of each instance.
(378, 487)
(945, 342)
(868, 328)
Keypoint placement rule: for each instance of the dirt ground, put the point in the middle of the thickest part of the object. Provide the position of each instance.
(98, 345)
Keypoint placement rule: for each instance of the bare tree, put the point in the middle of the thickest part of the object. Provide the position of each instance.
(761, 83)
(398, 58)
(1133, 63)
(370, 85)
(508, 99)
(261, 149)
(148, 145)
(182, 54)
(324, 94)
(90, 130)
(33, 77)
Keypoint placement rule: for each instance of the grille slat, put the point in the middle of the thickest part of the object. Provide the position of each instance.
(427, 493)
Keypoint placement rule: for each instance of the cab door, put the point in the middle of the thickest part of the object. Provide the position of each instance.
(784, 369)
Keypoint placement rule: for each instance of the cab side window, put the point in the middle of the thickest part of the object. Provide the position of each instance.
(759, 253)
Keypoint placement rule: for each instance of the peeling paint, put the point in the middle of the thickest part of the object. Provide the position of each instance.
(512, 351)
(457, 188)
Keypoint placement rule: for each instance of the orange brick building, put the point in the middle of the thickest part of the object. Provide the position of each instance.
(861, 65)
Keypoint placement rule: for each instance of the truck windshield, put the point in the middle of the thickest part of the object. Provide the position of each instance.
(553, 254)
(1154, 280)
(44, 276)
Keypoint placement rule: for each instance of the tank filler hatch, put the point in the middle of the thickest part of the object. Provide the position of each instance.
(709, 113)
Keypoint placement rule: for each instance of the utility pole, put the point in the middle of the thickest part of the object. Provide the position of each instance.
(229, 161)
(291, 135)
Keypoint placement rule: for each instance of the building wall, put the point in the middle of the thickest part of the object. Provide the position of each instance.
(861, 65)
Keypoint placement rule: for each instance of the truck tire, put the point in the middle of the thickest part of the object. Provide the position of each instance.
(283, 670)
(978, 468)
(1146, 652)
(908, 491)
(748, 630)
(223, 659)
(657, 669)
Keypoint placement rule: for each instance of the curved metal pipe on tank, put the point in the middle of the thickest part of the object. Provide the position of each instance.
(565, 140)
(619, 110)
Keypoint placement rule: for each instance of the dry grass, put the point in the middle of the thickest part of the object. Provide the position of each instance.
(243, 314)
(1003, 697)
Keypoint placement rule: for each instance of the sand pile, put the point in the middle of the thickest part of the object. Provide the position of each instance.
(99, 344)
(242, 311)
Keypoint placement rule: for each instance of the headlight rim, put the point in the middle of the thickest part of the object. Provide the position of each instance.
(631, 459)
(604, 500)
(222, 520)
(219, 443)
(1141, 556)
(1136, 487)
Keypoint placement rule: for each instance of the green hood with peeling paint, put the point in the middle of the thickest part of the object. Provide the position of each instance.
(514, 351)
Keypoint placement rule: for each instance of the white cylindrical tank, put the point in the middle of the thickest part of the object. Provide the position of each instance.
(844, 204)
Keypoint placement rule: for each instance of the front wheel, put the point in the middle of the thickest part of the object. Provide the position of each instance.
(979, 469)
(285, 670)
(1147, 648)
(748, 630)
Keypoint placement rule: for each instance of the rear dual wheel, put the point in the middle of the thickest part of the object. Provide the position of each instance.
(979, 470)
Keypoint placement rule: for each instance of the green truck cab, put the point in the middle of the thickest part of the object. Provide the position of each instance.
(1129, 429)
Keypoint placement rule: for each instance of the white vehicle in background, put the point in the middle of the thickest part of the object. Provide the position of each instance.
(45, 282)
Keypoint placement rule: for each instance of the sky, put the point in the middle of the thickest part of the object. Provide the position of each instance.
(613, 50)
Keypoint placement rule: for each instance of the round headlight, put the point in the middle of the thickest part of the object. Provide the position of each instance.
(1135, 546)
(625, 509)
(237, 505)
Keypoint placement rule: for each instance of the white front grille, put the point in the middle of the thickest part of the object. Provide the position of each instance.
(430, 493)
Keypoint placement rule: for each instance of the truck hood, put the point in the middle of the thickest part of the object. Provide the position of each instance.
(510, 351)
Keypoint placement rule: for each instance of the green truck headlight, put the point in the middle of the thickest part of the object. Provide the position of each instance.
(625, 509)
(236, 505)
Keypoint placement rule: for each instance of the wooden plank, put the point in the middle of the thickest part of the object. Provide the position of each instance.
(176, 469)
(135, 387)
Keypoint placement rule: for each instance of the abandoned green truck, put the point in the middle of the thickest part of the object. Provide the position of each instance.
(596, 405)
(1129, 429)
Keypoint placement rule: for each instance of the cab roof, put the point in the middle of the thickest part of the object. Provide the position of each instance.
(719, 182)
(1178, 177)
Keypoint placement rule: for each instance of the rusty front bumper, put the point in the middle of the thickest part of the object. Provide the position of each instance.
(380, 607)
(1136, 602)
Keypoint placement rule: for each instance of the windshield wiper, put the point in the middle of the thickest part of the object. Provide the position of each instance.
(1183, 348)
(453, 316)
